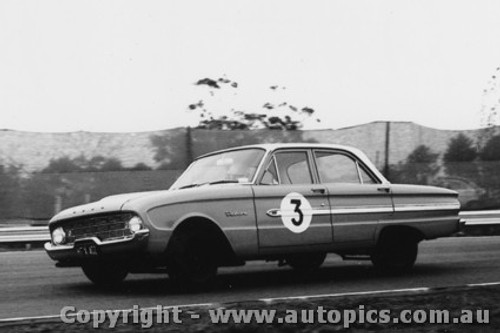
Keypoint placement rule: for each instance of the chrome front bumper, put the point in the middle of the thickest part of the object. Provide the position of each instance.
(93, 247)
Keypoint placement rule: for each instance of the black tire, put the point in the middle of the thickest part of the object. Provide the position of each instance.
(395, 254)
(304, 262)
(191, 261)
(104, 273)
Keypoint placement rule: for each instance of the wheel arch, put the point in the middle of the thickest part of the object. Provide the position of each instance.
(212, 232)
(401, 231)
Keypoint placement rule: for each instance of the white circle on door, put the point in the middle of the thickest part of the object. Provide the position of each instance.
(296, 212)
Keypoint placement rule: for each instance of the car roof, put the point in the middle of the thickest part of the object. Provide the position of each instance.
(274, 146)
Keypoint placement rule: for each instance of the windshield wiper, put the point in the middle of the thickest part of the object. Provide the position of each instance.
(188, 186)
(222, 181)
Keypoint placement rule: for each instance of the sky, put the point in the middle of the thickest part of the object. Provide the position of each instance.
(129, 66)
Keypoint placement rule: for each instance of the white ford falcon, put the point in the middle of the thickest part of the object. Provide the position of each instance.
(292, 203)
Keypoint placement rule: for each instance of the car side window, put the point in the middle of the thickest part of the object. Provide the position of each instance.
(293, 167)
(340, 168)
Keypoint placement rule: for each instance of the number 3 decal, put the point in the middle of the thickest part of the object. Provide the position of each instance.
(297, 203)
(296, 212)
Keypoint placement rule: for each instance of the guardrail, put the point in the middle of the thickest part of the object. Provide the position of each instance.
(24, 235)
(41, 234)
(481, 217)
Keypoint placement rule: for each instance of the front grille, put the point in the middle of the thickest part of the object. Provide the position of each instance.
(104, 227)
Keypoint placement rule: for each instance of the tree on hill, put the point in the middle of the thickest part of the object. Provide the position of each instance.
(459, 156)
(73, 181)
(82, 164)
(10, 191)
(274, 121)
(460, 149)
(490, 164)
(272, 115)
(140, 167)
(419, 167)
(170, 149)
(63, 165)
(491, 151)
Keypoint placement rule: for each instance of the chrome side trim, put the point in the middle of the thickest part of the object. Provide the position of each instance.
(368, 210)
(426, 207)
(362, 210)
(321, 212)
(420, 220)
(338, 211)
(281, 226)
(352, 223)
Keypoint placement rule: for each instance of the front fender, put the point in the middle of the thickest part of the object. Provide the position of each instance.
(230, 208)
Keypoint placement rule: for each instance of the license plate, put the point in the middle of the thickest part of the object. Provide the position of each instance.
(87, 250)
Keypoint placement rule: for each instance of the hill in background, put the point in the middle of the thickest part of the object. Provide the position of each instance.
(33, 151)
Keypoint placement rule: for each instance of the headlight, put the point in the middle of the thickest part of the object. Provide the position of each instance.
(135, 224)
(58, 236)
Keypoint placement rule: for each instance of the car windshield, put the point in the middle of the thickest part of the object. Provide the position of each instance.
(237, 166)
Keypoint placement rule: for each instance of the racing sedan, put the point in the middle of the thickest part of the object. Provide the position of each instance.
(292, 203)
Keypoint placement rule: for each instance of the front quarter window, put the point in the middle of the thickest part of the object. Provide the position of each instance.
(271, 174)
(237, 166)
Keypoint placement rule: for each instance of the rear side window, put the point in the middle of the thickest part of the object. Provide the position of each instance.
(339, 168)
(293, 167)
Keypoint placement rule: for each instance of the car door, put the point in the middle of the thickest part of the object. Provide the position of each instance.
(292, 210)
(358, 200)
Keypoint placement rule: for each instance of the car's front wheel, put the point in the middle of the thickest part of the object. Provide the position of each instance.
(395, 254)
(104, 273)
(191, 262)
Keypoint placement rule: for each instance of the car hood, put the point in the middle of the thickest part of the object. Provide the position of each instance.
(108, 204)
(144, 201)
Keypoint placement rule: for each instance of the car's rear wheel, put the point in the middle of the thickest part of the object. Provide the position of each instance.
(104, 273)
(191, 261)
(395, 254)
(306, 261)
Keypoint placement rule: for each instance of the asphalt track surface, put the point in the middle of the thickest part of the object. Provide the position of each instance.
(30, 285)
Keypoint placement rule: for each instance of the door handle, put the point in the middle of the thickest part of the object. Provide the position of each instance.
(273, 213)
(384, 189)
(318, 190)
